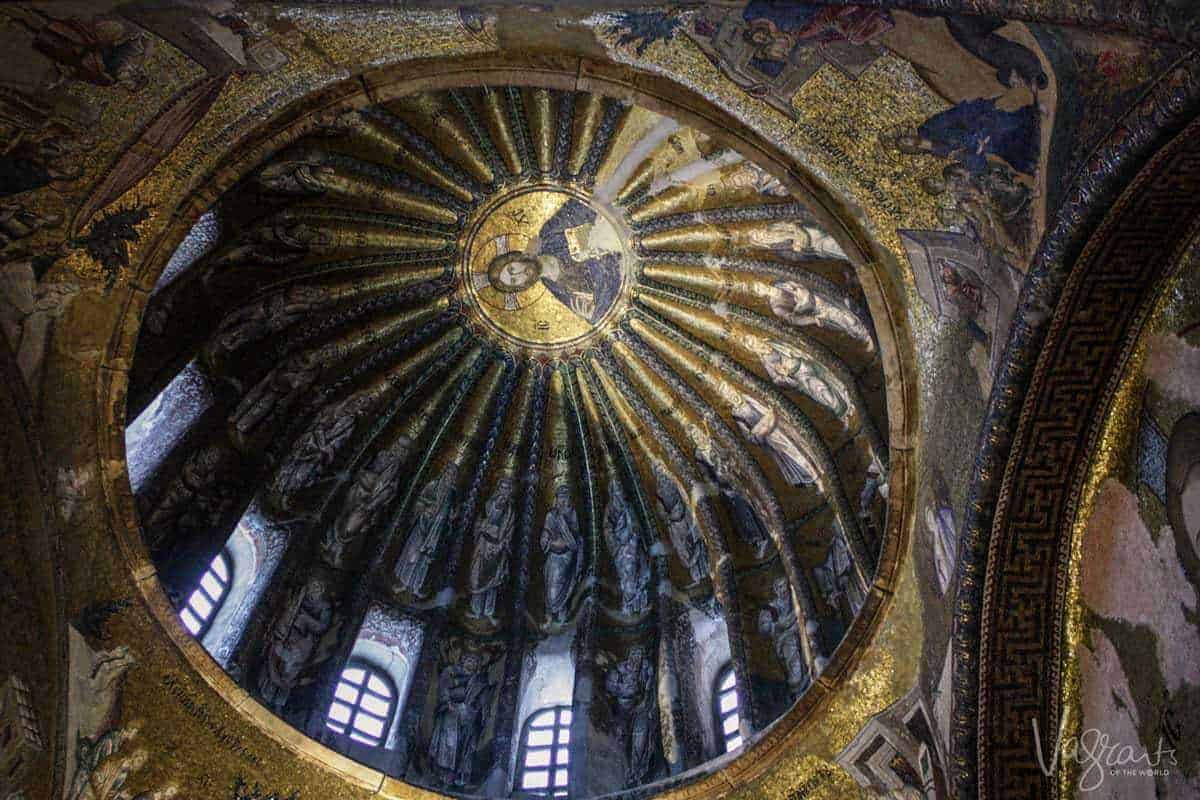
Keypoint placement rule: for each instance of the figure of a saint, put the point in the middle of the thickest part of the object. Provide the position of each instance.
(779, 624)
(630, 684)
(430, 520)
(681, 525)
(939, 521)
(283, 383)
(791, 369)
(629, 556)
(799, 305)
(561, 545)
(463, 691)
(489, 564)
(839, 580)
(373, 488)
(747, 520)
(763, 427)
(314, 452)
(303, 635)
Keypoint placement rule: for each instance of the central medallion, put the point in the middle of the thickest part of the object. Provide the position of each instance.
(545, 268)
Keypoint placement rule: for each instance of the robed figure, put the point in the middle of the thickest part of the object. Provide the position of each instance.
(562, 547)
(765, 428)
(681, 525)
(374, 487)
(489, 565)
(791, 369)
(630, 683)
(839, 580)
(629, 557)
(801, 306)
(463, 690)
(747, 520)
(778, 622)
(303, 635)
(431, 519)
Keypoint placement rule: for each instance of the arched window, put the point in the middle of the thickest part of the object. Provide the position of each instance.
(545, 753)
(362, 705)
(208, 597)
(725, 707)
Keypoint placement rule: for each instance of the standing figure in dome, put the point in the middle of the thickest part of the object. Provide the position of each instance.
(306, 174)
(464, 688)
(562, 546)
(269, 315)
(791, 236)
(747, 520)
(302, 636)
(681, 525)
(778, 623)
(430, 521)
(281, 385)
(630, 683)
(196, 500)
(839, 580)
(374, 487)
(797, 304)
(489, 564)
(314, 452)
(629, 557)
(763, 427)
(791, 369)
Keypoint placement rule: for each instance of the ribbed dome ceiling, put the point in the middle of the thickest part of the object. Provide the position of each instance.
(507, 367)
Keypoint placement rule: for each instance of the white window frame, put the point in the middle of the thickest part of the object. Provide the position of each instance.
(219, 573)
(556, 720)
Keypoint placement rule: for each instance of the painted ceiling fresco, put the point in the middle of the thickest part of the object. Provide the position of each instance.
(532, 358)
(567, 332)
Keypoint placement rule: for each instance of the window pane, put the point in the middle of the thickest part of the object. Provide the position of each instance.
(339, 712)
(369, 725)
(358, 737)
(354, 675)
(535, 780)
(728, 681)
(200, 604)
(565, 716)
(564, 756)
(191, 621)
(212, 585)
(727, 702)
(730, 725)
(346, 692)
(378, 685)
(733, 743)
(375, 705)
(537, 758)
(335, 727)
(542, 719)
(564, 735)
(560, 777)
(540, 737)
(220, 568)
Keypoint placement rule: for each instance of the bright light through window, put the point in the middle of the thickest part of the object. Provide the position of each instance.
(726, 708)
(362, 705)
(545, 754)
(208, 597)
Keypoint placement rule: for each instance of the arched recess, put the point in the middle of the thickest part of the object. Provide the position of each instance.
(1105, 303)
(875, 268)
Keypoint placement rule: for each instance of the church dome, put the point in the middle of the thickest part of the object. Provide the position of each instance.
(482, 404)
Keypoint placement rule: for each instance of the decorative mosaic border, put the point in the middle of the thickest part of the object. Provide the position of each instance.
(1056, 376)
